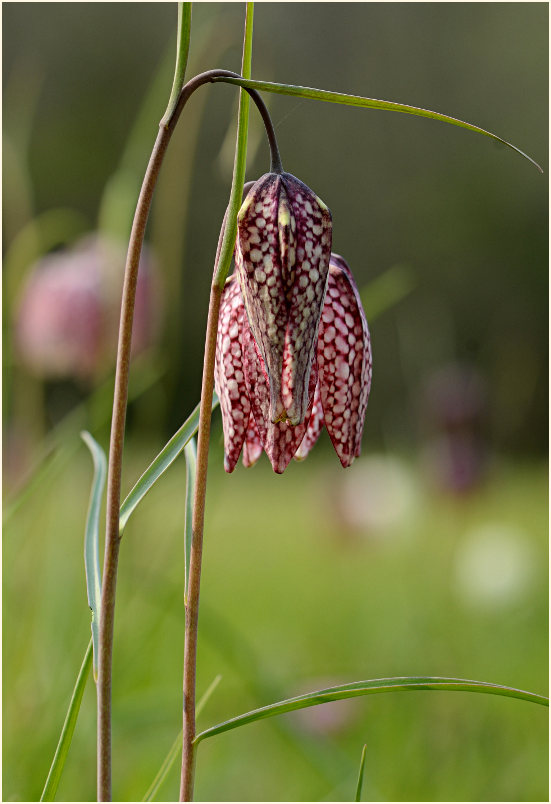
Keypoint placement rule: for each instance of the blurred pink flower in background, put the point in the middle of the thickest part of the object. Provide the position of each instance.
(67, 319)
(454, 409)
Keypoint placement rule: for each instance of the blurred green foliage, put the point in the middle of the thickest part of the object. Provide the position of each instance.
(297, 590)
(85, 86)
(293, 596)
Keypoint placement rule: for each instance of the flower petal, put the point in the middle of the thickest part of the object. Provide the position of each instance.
(282, 258)
(229, 378)
(280, 439)
(344, 361)
(252, 448)
(315, 426)
(307, 294)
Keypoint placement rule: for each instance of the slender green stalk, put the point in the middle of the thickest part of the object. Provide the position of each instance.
(58, 762)
(361, 775)
(220, 273)
(182, 52)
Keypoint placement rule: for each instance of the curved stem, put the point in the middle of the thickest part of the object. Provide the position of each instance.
(228, 76)
(112, 535)
(192, 604)
(112, 538)
(223, 259)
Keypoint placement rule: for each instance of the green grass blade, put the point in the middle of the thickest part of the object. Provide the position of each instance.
(240, 160)
(58, 762)
(377, 685)
(388, 289)
(91, 539)
(158, 467)
(368, 103)
(176, 748)
(190, 452)
(361, 775)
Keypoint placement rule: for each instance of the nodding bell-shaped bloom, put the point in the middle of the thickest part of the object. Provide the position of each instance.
(338, 381)
(282, 259)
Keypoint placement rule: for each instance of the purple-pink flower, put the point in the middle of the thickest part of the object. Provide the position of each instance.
(67, 316)
(339, 382)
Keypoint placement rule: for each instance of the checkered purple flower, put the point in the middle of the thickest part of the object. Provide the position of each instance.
(338, 385)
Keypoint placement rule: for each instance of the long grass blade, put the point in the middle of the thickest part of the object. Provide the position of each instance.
(387, 289)
(190, 453)
(158, 467)
(361, 775)
(176, 748)
(91, 539)
(377, 685)
(367, 103)
(58, 762)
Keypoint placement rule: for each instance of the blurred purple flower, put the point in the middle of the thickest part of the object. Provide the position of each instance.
(67, 319)
(454, 406)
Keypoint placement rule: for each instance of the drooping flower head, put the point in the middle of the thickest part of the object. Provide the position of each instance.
(338, 384)
(282, 259)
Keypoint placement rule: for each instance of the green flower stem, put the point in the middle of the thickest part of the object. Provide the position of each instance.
(224, 255)
(182, 52)
(366, 103)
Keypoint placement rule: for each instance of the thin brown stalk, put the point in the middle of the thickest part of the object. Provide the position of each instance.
(192, 604)
(112, 536)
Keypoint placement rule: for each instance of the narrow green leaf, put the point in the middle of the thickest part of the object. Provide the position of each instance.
(361, 775)
(58, 762)
(367, 103)
(240, 160)
(176, 748)
(91, 539)
(190, 453)
(377, 685)
(158, 467)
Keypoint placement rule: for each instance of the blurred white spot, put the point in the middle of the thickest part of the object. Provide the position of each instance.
(495, 566)
(379, 494)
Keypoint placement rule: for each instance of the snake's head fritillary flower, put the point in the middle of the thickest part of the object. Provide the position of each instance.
(344, 366)
(282, 259)
(338, 384)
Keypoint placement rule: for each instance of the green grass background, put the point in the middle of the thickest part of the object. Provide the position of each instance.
(291, 599)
